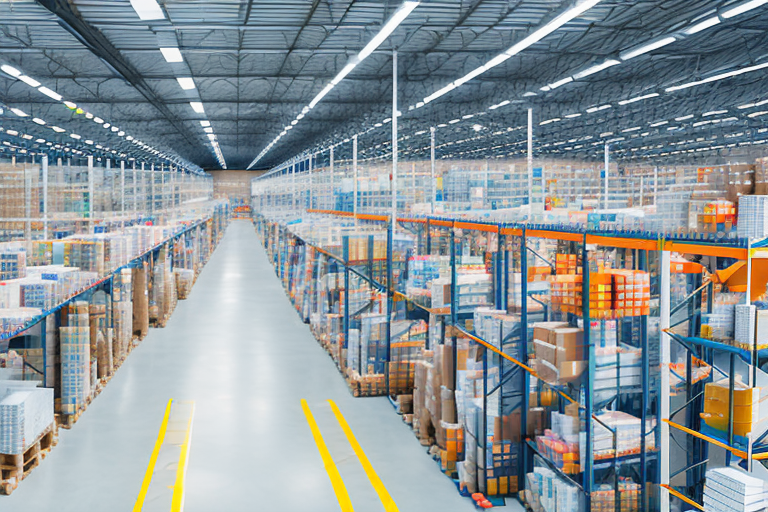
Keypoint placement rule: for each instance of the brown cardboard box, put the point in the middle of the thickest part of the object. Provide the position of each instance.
(446, 370)
(570, 344)
(571, 370)
(507, 428)
(537, 421)
(543, 330)
(447, 406)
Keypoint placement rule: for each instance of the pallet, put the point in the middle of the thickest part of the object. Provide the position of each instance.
(15, 468)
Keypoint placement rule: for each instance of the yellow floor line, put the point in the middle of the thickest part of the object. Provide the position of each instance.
(378, 485)
(153, 460)
(177, 503)
(330, 467)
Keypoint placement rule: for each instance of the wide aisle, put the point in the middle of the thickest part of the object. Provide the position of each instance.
(239, 351)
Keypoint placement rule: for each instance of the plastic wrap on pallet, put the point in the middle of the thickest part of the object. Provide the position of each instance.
(24, 415)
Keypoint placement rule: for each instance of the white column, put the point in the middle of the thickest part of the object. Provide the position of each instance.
(122, 192)
(530, 156)
(433, 185)
(331, 206)
(45, 196)
(394, 141)
(90, 194)
(144, 185)
(354, 177)
(28, 206)
(605, 177)
(310, 182)
(664, 274)
(655, 184)
(135, 192)
(642, 190)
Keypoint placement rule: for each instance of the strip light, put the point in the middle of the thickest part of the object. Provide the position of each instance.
(389, 27)
(742, 8)
(638, 98)
(525, 43)
(715, 78)
(172, 55)
(147, 9)
(702, 25)
(596, 68)
(186, 83)
(649, 47)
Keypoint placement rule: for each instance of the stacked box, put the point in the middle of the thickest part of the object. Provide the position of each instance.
(75, 359)
(630, 493)
(628, 433)
(559, 351)
(24, 415)
(747, 402)
(631, 292)
(13, 262)
(37, 292)
(566, 293)
(11, 320)
(753, 217)
(567, 264)
(733, 490)
(744, 331)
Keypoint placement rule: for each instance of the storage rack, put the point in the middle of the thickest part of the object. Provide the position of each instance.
(434, 235)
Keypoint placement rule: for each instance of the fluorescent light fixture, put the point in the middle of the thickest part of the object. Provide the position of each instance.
(499, 105)
(714, 113)
(592, 110)
(721, 76)
(454, 121)
(26, 136)
(57, 129)
(10, 70)
(205, 123)
(573, 116)
(172, 54)
(683, 118)
(557, 84)
(702, 25)
(649, 47)
(73, 106)
(106, 125)
(40, 141)
(477, 127)
(659, 123)
(208, 130)
(445, 90)
(12, 132)
(29, 81)
(18, 112)
(638, 98)
(294, 122)
(89, 141)
(186, 83)
(197, 107)
(39, 121)
(75, 136)
(147, 9)
(742, 8)
(402, 12)
(529, 94)
(115, 129)
(757, 114)
(51, 94)
(553, 120)
(596, 68)
(468, 116)
(120, 133)
(211, 136)
(98, 120)
(344, 72)
(633, 129)
(321, 95)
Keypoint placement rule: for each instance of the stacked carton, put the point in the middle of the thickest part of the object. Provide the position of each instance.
(559, 352)
(733, 490)
(24, 414)
(747, 402)
(75, 359)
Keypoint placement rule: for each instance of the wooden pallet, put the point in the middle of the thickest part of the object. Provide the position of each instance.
(15, 468)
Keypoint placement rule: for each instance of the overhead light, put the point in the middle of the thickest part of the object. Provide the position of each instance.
(402, 12)
(742, 8)
(529, 94)
(120, 133)
(477, 127)
(73, 106)
(88, 141)
(129, 138)
(721, 76)
(26, 136)
(57, 129)
(344, 72)
(321, 95)
(208, 130)
(499, 105)
(211, 136)
(638, 98)
(553, 120)
(186, 83)
(294, 122)
(147, 9)
(10, 70)
(75, 136)
(12, 132)
(51, 94)
(596, 68)
(633, 129)
(29, 81)
(106, 125)
(714, 113)
(592, 110)
(172, 54)
(205, 123)
(40, 141)
(572, 116)
(557, 84)
(445, 90)
(454, 121)
(757, 114)
(39, 121)
(18, 112)
(197, 107)
(702, 25)
(655, 45)
(98, 120)
(659, 123)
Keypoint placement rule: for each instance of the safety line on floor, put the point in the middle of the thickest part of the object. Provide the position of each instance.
(153, 460)
(330, 467)
(177, 503)
(373, 477)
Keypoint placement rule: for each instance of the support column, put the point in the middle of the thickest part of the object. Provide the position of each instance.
(90, 194)
(394, 144)
(122, 192)
(45, 196)
(433, 186)
(664, 314)
(605, 177)
(332, 205)
(530, 156)
(354, 177)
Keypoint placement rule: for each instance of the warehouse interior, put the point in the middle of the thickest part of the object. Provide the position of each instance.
(386, 255)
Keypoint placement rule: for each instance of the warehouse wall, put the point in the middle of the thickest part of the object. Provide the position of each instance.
(234, 185)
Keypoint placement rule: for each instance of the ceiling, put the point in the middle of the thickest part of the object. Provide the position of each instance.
(256, 64)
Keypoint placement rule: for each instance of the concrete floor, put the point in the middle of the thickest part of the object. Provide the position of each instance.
(238, 349)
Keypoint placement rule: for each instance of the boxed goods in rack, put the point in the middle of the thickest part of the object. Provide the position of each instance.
(25, 413)
(617, 434)
(559, 350)
(753, 217)
(13, 319)
(732, 490)
(13, 261)
(747, 403)
(75, 359)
